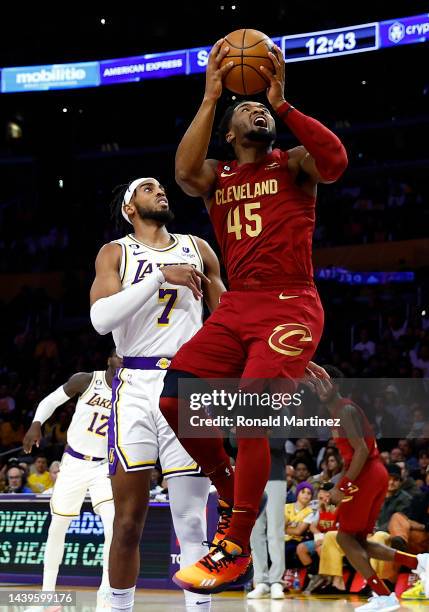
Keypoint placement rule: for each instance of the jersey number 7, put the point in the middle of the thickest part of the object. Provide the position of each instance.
(169, 297)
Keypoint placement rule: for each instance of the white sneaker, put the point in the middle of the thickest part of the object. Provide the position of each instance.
(387, 603)
(422, 570)
(277, 591)
(261, 591)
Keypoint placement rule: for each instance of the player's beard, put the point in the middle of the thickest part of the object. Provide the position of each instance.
(266, 137)
(161, 216)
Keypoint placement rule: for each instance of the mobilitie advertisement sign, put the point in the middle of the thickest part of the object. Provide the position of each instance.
(54, 76)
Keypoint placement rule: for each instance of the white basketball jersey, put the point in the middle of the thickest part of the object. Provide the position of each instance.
(172, 315)
(87, 433)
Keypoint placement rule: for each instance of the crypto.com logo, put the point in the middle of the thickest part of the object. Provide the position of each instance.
(396, 32)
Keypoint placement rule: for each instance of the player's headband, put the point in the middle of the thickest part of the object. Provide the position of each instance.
(129, 194)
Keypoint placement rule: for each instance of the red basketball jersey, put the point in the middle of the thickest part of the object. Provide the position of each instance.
(263, 221)
(341, 441)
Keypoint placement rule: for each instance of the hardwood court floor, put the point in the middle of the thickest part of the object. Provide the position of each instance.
(164, 601)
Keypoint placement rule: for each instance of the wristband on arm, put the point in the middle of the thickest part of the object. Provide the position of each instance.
(347, 486)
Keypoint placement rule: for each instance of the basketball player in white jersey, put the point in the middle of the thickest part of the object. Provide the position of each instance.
(84, 465)
(147, 292)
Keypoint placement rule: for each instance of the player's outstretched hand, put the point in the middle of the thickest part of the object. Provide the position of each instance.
(317, 370)
(214, 72)
(33, 436)
(187, 276)
(275, 92)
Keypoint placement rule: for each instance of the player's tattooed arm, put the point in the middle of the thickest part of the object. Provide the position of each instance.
(351, 422)
(213, 290)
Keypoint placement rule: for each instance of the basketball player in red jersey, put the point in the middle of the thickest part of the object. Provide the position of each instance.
(361, 493)
(262, 206)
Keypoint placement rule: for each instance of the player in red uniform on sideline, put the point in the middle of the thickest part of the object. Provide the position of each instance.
(268, 325)
(360, 494)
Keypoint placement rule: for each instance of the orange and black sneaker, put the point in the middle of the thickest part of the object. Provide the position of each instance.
(225, 515)
(224, 566)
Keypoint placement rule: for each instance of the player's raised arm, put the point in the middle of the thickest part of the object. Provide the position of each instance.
(76, 384)
(213, 290)
(324, 158)
(194, 173)
(111, 305)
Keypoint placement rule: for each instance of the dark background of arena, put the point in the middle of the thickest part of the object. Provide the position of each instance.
(49, 235)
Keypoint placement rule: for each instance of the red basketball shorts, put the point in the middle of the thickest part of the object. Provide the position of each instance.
(256, 334)
(358, 516)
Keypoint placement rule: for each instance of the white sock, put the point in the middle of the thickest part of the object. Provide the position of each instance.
(107, 514)
(122, 600)
(188, 499)
(197, 603)
(54, 550)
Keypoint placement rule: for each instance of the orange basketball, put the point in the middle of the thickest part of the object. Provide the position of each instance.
(248, 49)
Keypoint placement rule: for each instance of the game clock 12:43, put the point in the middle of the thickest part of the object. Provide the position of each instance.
(327, 43)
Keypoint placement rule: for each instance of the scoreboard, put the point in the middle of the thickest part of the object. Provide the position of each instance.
(296, 48)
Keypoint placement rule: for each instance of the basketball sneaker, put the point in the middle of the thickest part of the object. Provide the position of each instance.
(261, 591)
(422, 570)
(380, 603)
(415, 592)
(224, 566)
(225, 515)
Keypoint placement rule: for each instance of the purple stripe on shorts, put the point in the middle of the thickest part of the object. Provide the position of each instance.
(146, 363)
(111, 436)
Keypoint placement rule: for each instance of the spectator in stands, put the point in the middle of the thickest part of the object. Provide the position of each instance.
(385, 457)
(11, 431)
(408, 485)
(406, 447)
(332, 466)
(295, 515)
(15, 481)
(322, 520)
(397, 410)
(302, 474)
(381, 420)
(322, 452)
(290, 484)
(418, 423)
(396, 455)
(396, 500)
(419, 474)
(396, 327)
(54, 468)
(420, 359)
(7, 403)
(40, 479)
(365, 346)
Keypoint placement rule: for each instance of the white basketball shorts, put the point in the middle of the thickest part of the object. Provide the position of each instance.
(138, 432)
(75, 478)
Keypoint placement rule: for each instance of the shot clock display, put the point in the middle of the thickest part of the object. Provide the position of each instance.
(341, 41)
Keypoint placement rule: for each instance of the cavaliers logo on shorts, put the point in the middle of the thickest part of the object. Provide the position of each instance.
(287, 337)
